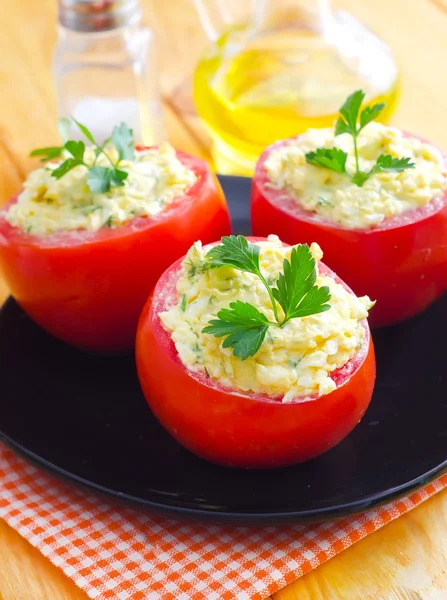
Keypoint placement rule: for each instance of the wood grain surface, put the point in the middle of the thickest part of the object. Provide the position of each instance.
(407, 559)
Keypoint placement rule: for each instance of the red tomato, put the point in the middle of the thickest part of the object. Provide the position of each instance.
(240, 429)
(88, 288)
(401, 263)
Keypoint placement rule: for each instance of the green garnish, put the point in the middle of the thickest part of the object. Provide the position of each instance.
(122, 138)
(329, 158)
(334, 159)
(99, 179)
(294, 362)
(92, 209)
(194, 268)
(323, 202)
(242, 324)
(183, 303)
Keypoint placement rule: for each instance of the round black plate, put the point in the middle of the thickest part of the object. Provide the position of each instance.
(85, 417)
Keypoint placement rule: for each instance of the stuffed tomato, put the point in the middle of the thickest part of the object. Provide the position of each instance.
(82, 250)
(384, 235)
(266, 395)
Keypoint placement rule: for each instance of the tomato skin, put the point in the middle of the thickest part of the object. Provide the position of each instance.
(238, 429)
(402, 263)
(88, 288)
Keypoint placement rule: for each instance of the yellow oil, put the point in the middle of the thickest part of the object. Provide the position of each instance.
(274, 86)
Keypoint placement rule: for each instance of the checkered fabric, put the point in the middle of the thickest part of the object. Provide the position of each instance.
(117, 552)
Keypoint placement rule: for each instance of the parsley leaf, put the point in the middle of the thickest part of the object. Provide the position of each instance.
(235, 251)
(335, 159)
(118, 177)
(370, 113)
(122, 137)
(360, 177)
(341, 127)
(388, 163)
(296, 291)
(86, 132)
(48, 153)
(66, 166)
(330, 158)
(99, 178)
(385, 163)
(350, 111)
(244, 325)
(76, 149)
(314, 302)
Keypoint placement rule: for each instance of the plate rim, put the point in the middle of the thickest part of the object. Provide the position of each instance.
(311, 515)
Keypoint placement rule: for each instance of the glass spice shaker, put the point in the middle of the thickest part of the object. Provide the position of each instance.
(104, 69)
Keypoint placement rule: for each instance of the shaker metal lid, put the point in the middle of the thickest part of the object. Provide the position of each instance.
(98, 15)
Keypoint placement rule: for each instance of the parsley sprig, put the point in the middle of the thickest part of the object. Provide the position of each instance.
(243, 325)
(99, 178)
(352, 121)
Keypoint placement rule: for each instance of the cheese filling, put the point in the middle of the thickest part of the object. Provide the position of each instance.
(295, 361)
(383, 195)
(156, 177)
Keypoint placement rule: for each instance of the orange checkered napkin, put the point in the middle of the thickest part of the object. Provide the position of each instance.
(120, 552)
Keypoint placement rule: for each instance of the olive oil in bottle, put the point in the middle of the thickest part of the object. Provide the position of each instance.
(258, 84)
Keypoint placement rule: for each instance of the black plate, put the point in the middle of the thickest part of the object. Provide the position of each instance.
(84, 417)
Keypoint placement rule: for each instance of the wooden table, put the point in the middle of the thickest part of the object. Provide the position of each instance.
(407, 559)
